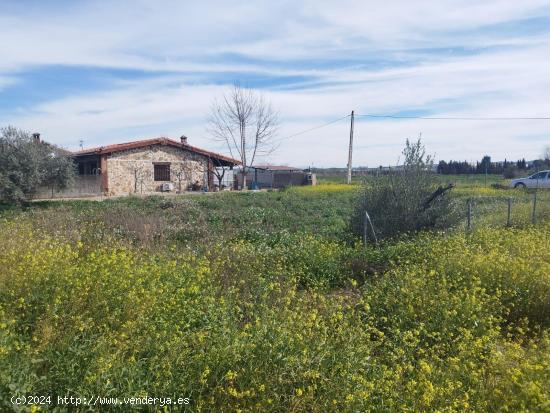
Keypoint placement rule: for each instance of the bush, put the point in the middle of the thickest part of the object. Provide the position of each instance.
(510, 172)
(405, 200)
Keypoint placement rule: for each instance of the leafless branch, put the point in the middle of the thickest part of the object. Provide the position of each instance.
(246, 123)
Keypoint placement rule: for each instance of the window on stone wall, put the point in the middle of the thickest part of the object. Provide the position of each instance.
(162, 172)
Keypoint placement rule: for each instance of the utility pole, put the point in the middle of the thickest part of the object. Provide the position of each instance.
(350, 146)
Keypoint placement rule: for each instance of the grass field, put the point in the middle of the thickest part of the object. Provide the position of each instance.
(474, 180)
(265, 302)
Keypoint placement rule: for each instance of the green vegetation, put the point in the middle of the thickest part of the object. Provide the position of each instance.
(26, 164)
(405, 201)
(264, 302)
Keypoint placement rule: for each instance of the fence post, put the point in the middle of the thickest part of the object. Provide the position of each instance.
(469, 214)
(365, 223)
(534, 216)
(365, 227)
(509, 220)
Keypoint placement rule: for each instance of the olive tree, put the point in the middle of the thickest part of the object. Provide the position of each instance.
(405, 199)
(26, 164)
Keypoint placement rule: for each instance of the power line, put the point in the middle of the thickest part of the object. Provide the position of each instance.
(482, 118)
(314, 128)
(467, 118)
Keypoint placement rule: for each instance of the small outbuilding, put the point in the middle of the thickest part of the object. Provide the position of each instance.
(275, 176)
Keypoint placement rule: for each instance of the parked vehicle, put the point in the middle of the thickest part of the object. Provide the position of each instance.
(538, 180)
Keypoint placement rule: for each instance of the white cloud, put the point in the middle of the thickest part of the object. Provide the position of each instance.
(165, 34)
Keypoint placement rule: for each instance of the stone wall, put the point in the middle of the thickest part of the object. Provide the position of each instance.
(132, 171)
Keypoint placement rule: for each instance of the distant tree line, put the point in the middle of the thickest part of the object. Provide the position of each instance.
(509, 169)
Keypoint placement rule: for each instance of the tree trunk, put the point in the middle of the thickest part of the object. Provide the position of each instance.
(438, 192)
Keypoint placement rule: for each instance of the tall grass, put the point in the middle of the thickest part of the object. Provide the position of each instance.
(260, 302)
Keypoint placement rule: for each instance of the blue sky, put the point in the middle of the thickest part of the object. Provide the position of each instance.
(116, 71)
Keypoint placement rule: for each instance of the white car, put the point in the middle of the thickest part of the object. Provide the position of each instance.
(539, 180)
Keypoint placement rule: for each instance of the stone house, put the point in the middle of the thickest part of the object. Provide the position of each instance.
(151, 165)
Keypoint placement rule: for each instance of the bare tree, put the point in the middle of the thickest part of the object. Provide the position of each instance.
(183, 172)
(546, 153)
(180, 173)
(139, 178)
(246, 123)
(218, 171)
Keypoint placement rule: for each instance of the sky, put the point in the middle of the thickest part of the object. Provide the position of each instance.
(115, 71)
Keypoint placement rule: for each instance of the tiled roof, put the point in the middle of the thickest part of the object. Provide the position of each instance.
(154, 141)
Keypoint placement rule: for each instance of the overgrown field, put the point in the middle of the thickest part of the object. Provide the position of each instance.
(264, 302)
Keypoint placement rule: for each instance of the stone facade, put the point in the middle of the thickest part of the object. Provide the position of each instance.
(132, 171)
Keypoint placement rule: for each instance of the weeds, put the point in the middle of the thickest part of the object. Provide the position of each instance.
(260, 302)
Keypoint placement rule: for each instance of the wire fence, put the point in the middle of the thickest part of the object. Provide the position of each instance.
(506, 211)
(529, 208)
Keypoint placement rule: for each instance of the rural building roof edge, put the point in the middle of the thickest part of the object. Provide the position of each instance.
(154, 141)
(269, 167)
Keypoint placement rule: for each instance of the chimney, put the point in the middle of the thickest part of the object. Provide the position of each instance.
(36, 137)
(183, 139)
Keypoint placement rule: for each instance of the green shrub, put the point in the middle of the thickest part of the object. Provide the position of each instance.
(406, 200)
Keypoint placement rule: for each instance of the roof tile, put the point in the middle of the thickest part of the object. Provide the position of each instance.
(154, 141)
